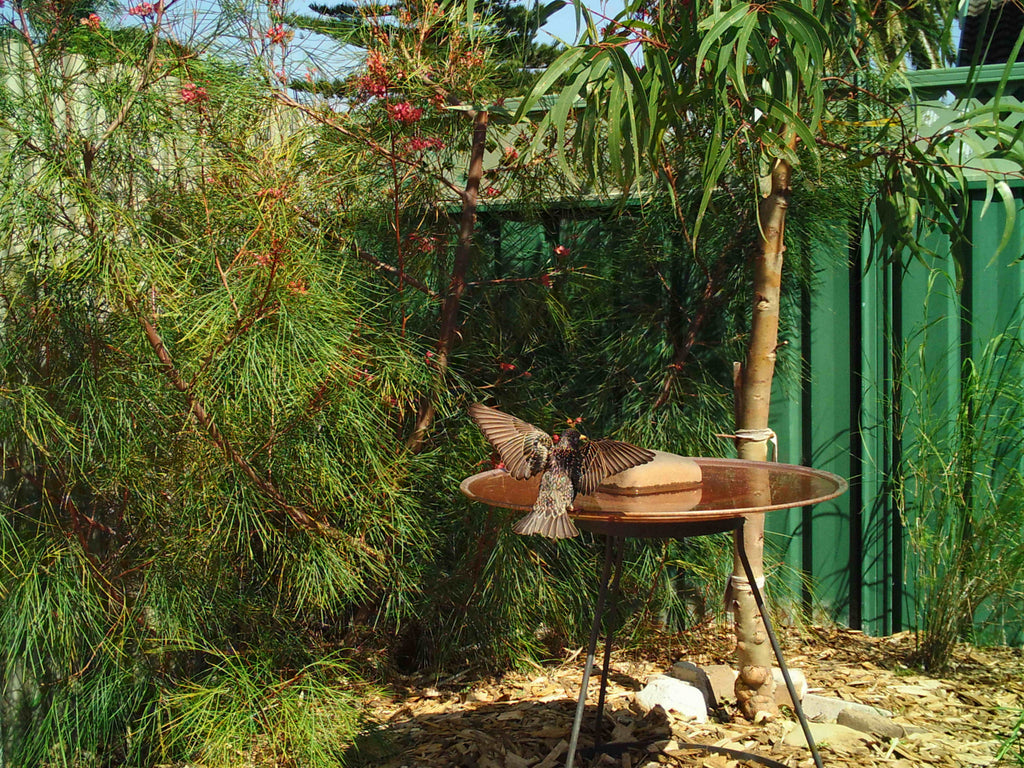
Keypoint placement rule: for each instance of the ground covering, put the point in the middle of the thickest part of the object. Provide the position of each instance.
(523, 720)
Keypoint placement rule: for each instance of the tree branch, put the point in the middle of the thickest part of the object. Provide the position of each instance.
(205, 420)
(457, 284)
(404, 277)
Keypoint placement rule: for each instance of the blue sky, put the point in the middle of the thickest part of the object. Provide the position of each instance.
(196, 18)
(563, 24)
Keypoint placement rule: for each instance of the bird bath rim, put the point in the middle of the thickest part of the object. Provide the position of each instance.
(729, 488)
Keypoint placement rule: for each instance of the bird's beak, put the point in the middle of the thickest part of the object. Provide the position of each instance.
(584, 438)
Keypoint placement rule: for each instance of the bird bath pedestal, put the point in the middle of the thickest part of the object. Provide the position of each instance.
(671, 497)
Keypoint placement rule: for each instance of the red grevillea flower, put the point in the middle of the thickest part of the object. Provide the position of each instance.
(420, 144)
(507, 367)
(423, 243)
(405, 113)
(561, 251)
(278, 34)
(372, 85)
(194, 94)
(142, 10)
(92, 21)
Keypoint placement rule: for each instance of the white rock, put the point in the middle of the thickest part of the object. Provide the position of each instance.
(673, 695)
(825, 733)
(782, 692)
(826, 708)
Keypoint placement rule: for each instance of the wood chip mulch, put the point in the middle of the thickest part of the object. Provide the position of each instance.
(523, 720)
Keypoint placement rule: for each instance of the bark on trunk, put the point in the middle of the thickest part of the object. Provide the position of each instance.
(755, 687)
(449, 319)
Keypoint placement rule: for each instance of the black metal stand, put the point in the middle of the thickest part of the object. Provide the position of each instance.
(614, 547)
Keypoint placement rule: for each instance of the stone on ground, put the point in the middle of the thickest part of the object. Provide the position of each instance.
(825, 709)
(673, 695)
(870, 722)
(825, 733)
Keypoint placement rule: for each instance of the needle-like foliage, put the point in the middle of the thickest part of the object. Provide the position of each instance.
(237, 326)
(201, 426)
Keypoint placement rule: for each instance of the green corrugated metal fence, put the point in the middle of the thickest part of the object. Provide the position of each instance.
(867, 330)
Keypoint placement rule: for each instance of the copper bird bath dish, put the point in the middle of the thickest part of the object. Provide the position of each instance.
(671, 497)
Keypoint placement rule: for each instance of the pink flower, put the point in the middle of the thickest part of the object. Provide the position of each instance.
(423, 243)
(561, 251)
(372, 85)
(92, 21)
(142, 10)
(420, 144)
(375, 81)
(278, 34)
(194, 94)
(405, 113)
(545, 280)
(297, 287)
(511, 153)
(506, 367)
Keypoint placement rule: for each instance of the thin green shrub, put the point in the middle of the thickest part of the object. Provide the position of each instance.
(963, 496)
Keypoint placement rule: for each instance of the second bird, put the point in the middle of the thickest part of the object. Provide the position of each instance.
(571, 465)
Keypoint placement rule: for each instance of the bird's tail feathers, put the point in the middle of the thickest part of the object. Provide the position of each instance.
(553, 526)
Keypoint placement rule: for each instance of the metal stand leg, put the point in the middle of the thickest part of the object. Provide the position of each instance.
(620, 548)
(595, 630)
(797, 706)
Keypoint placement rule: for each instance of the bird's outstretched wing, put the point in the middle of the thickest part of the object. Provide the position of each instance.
(523, 448)
(604, 458)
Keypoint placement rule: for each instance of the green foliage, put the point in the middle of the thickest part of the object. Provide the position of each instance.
(963, 495)
(204, 398)
(498, 36)
(758, 80)
(242, 705)
(220, 306)
(74, 674)
(1012, 742)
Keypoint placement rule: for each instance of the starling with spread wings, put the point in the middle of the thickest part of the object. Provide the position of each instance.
(571, 465)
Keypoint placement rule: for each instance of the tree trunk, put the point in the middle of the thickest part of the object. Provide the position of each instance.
(755, 687)
(449, 318)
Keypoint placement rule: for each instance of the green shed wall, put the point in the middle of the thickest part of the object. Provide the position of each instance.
(850, 414)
